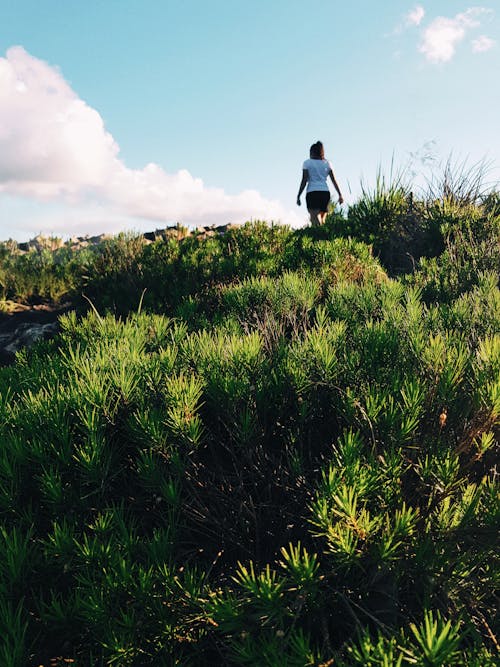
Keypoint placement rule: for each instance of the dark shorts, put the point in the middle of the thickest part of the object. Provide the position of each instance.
(318, 200)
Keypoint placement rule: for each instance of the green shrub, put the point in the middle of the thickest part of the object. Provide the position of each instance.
(291, 461)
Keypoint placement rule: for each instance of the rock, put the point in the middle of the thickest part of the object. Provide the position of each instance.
(159, 234)
(45, 243)
(9, 306)
(175, 233)
(99, 239)
(26, 335)
(223, 229)
(25, 327)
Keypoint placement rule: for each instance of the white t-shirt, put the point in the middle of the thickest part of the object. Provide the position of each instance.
(318, 171)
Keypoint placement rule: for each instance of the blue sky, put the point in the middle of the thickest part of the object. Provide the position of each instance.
(120, 114)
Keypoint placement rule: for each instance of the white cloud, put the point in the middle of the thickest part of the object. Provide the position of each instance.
(482, 43)
(442, 36)
(54, 147)
(51, 142)
(415, 16)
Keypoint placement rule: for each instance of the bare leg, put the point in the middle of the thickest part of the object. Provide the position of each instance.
(314, 216)
(322, 217)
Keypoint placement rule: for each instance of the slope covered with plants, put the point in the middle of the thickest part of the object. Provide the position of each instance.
(281, 453)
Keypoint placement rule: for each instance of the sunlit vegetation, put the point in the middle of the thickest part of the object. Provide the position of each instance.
(282, 453)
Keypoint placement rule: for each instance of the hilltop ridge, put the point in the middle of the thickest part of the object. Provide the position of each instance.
(52, 243)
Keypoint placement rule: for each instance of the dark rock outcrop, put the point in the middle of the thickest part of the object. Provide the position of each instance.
(24, 328)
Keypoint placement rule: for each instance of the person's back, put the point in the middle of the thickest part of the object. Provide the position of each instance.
(315, 172)
(318, 171)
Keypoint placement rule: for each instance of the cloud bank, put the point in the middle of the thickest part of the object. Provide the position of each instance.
(55, 148)
(442, 36)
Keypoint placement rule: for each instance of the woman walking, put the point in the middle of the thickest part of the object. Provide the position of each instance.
(315, 172)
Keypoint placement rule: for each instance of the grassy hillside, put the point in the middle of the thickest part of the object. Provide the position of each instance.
(282, 453)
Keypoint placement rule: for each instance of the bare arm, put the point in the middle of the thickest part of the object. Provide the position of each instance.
(335, 185)
(303, 183)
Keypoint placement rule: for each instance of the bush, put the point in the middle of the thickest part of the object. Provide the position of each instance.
(276, 455)
(394, 222)
(254, 492)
